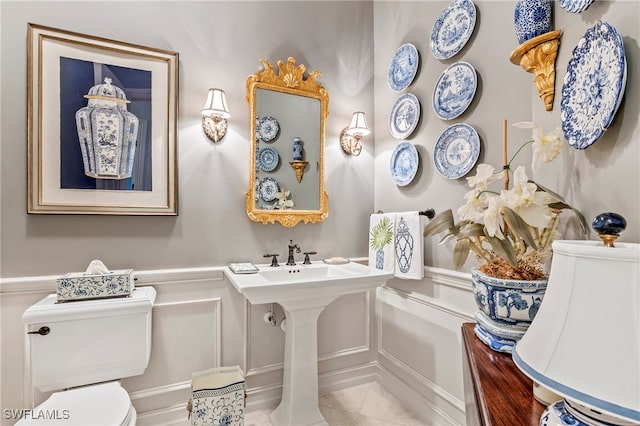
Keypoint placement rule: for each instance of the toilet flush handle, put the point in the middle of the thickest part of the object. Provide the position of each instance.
(43, 331)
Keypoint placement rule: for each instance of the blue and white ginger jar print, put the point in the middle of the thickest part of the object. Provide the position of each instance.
(532, 18)
(404, 246)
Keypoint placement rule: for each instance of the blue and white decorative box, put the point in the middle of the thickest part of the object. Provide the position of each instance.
(83, 285)
(217, 397)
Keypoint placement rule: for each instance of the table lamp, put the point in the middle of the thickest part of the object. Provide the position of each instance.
(584, 343)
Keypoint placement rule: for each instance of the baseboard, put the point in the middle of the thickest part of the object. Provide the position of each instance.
(268, 397)
(422, 408)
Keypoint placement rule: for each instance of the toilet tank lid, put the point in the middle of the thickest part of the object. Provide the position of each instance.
(141, 300)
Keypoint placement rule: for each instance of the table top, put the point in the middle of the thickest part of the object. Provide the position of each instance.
(504, 395)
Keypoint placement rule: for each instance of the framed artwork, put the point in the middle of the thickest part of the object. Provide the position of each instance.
(102, 125)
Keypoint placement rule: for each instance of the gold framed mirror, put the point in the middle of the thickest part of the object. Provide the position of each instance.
(288, 110)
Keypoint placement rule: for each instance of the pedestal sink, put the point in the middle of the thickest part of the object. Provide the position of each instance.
(303, 291)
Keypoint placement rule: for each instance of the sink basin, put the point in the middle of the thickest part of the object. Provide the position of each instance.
(303, 291)
(290, 283)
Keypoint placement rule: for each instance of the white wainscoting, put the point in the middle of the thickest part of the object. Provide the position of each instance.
(406, 335)
(419, 343)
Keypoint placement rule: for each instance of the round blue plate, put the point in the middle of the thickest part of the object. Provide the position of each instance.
(267, 189)
(404, 116)
(456, 151)
(267, 129)
(267, 159)
(453, 28)
(404, 163)
(454, 90)
(593, 85)
(403, 67)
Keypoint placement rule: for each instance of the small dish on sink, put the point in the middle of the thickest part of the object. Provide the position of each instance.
(336, 261)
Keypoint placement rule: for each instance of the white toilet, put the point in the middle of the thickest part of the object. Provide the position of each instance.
(80, 350)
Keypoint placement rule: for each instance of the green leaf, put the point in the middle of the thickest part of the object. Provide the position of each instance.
(461, 253)
(471, 230)
(504, 249)
(518, 226)
(548, 191)
(441, 222)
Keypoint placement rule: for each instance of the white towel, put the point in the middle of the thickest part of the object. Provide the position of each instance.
(409, 245)
(381, 237)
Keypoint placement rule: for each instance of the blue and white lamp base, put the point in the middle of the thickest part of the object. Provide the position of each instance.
(569, 413)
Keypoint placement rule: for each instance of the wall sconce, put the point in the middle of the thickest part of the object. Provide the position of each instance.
(214, 115)
(350, 136)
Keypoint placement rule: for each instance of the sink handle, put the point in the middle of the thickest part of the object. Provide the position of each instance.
(306, 257)
(274, 259)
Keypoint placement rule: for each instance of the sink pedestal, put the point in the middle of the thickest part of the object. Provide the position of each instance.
(303, 291)
(299, 404)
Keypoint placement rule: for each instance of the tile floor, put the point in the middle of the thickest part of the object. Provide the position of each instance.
(364, 405)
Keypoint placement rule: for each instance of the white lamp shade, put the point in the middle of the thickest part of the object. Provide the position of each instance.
(216, 104)
(584, 343)
(358, 125)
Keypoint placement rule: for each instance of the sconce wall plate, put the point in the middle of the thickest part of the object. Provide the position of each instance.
(350, 144)
(214, 126)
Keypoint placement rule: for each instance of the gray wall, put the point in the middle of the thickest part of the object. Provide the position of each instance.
(604, 177)
(219, 44)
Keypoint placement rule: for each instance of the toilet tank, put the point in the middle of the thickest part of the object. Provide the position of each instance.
(89, 341)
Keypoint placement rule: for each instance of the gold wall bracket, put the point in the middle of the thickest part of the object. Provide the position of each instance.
(299, 167)
(538, 56)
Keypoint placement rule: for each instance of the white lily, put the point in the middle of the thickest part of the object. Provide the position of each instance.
(524, 199)
(546, 147)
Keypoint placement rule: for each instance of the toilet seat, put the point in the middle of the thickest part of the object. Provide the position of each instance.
(105, 404)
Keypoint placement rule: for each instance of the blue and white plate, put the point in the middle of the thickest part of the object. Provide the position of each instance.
(267, 129)
(267, 189)
(404, 163)
(593, 85)
(453, 28)
(403, 67)
(456, 151)
(575, 6)
(267, 159)
(454, 90)
(404, 116)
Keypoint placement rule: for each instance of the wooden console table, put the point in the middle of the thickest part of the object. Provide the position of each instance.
(497, 393)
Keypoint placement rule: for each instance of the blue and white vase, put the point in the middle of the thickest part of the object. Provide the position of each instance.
(532, 18)
(506, 308)
(297, 149)
(380, 259)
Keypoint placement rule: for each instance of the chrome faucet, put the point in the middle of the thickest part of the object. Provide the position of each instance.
(290, 260)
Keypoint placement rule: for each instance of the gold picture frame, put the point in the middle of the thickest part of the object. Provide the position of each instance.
(102, 126)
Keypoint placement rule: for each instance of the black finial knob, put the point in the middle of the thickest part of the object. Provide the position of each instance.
(608, 226)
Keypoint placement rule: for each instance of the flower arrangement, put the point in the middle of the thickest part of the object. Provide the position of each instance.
(282, 201)
(509, 231)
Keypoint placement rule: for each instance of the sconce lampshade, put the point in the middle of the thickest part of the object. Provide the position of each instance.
(358, 125)
(584, 343)
(216, 104)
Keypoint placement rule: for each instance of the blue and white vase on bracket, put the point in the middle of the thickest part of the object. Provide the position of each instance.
(532, 18)
(297, 149)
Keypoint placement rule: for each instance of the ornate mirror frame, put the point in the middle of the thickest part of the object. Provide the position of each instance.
(290, 80)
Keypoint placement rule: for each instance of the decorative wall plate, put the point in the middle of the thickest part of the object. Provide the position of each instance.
(404, 163)
(404, 116)
(267, 159)
(403, 67)
(267, 189)
(575, 6)
(593, 85)
(453, 28)
(267, 129)
(454, 90)
(456, 151)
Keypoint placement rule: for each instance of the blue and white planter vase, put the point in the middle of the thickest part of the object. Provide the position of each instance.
(506, 308)
(532, 18)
